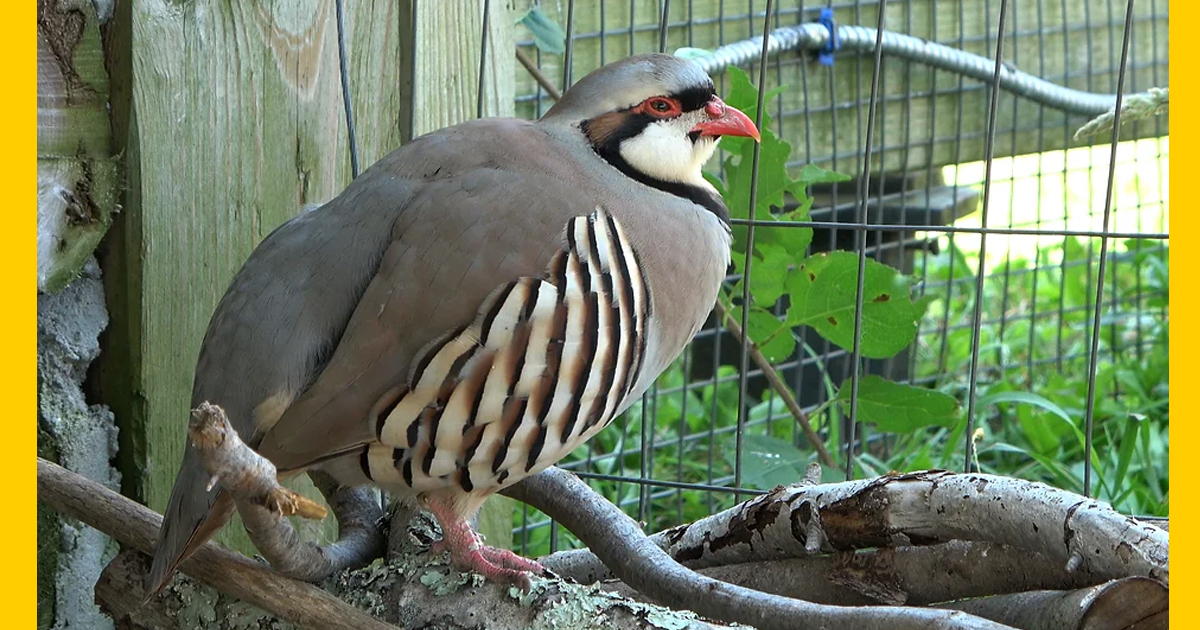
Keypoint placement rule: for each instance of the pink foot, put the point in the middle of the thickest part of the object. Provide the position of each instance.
(469, 553)
(508, 559)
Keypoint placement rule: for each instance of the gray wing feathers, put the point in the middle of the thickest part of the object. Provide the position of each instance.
(268, 337)
(458, 241)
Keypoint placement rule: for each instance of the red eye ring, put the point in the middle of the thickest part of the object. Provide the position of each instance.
(660, 106)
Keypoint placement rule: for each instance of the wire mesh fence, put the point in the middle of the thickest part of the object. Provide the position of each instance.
(987, 201)
(1031, 263)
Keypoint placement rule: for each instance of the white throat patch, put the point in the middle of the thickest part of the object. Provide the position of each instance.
(665, 152)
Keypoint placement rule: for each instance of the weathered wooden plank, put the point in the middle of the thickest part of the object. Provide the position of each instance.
(928, 118)
(72, 111)
(442, 62)
(231, 117)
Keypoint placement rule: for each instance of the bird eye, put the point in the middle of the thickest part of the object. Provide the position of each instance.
(660, 105)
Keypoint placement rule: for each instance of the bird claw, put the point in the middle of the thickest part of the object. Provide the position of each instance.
(469, 553)
(496, 565)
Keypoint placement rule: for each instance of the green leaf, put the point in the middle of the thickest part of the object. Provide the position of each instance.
(773, 179)
(898, 408)
(547, 34)
(823, 290)
(743, 95)
(774, 339)
(769, 461)
(1027, 398)
(1129, 439)
(1067, 427)
(813, 174)
(1041, 436)
(769, 273)
(792, 240)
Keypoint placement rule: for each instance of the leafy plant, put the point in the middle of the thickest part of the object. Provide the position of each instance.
(1035, 364)
(819, 291)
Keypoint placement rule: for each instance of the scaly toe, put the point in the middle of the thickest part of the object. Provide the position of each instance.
(481, 560)
(509, 560)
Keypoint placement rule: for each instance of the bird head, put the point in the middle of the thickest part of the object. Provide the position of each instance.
(656, 117)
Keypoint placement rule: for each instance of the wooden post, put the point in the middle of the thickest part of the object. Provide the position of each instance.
(230, 117)
(441, 51)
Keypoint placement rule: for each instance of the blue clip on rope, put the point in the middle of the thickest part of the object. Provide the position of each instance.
(833, 44)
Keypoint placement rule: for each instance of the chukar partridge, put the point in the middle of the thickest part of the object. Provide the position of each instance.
(477, 304)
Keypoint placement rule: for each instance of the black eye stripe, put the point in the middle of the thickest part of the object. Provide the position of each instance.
(694, 98)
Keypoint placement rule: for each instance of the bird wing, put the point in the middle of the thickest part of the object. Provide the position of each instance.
(460, 241)
(546, 363)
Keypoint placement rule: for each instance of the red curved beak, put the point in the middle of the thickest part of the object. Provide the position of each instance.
(724, 120)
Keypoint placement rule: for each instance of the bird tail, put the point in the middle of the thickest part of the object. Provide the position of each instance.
(193, 515)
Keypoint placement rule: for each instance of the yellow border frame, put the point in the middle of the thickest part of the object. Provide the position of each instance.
(18, 45)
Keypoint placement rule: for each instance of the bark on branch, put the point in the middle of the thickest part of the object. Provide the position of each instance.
(251, 480)
(643, 565)
(419, 590)
(1139, 603)
(910, 575)
(136, 526)
(1080, 535)
(911, 517)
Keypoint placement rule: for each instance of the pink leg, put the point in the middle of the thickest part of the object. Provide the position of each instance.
(469, 553)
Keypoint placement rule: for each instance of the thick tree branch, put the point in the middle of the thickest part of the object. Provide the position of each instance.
(361, 523)
(417, 590)
(391, 594)
(1139, 603)
(136, 526)
(1081, 535)
(899, 510)
(637, 561)
(910, 575)
(1161, 523)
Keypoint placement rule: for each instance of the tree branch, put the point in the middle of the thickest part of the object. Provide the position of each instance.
(251, 480)
(1081, 535)
(916, 508)
(910, 575)
(642, 564)
(417, 589)
(136, 526)
(448, 602)
(360, 519)
(537, 75)
(777, 384)
(1139, 603)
